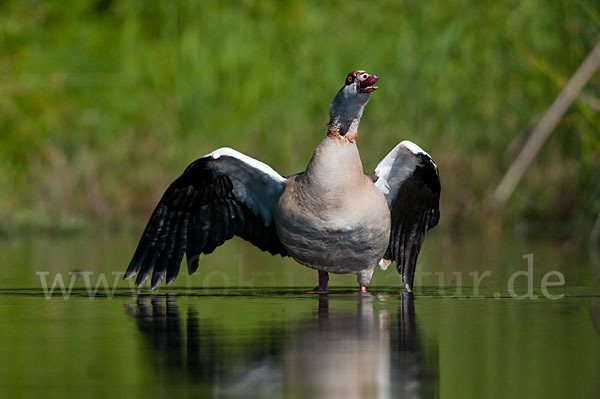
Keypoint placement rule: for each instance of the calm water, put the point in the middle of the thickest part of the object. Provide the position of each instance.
(243, 326)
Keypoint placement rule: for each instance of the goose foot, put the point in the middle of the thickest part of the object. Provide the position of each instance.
(316, 290)
(363, 290)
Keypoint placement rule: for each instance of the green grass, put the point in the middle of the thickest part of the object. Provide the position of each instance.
(103, 103)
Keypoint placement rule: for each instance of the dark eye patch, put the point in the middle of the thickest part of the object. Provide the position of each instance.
(349, 79)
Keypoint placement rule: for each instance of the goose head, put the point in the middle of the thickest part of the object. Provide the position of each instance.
(349, 103)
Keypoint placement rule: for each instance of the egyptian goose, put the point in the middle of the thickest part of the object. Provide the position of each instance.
(332, 217)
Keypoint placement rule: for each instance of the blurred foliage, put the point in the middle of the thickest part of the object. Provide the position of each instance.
(103, 103)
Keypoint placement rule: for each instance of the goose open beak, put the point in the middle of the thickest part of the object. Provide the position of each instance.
(367, 85)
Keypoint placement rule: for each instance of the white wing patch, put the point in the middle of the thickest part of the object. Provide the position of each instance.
(399, 164)
(412, 147)
(255, 183)
(263, 167)
(394, 169)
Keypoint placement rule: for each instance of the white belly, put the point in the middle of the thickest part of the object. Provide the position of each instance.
(335, 250)
(340, 239)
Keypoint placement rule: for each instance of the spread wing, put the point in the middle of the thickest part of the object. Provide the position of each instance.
(409, 180)
(222, 194)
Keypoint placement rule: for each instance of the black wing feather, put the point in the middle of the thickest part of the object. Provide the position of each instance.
(414, 211)
(175, 260)
(196, 214)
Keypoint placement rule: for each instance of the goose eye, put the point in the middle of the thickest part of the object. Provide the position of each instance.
(349, 79)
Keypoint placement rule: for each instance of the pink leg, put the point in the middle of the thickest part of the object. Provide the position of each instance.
(363, 290)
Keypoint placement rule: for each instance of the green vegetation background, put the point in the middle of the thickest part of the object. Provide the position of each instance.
(103, 103)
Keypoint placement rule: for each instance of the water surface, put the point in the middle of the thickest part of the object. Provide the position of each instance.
(243, 325)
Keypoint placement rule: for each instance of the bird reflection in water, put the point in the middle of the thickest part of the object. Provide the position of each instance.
(369, 353)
